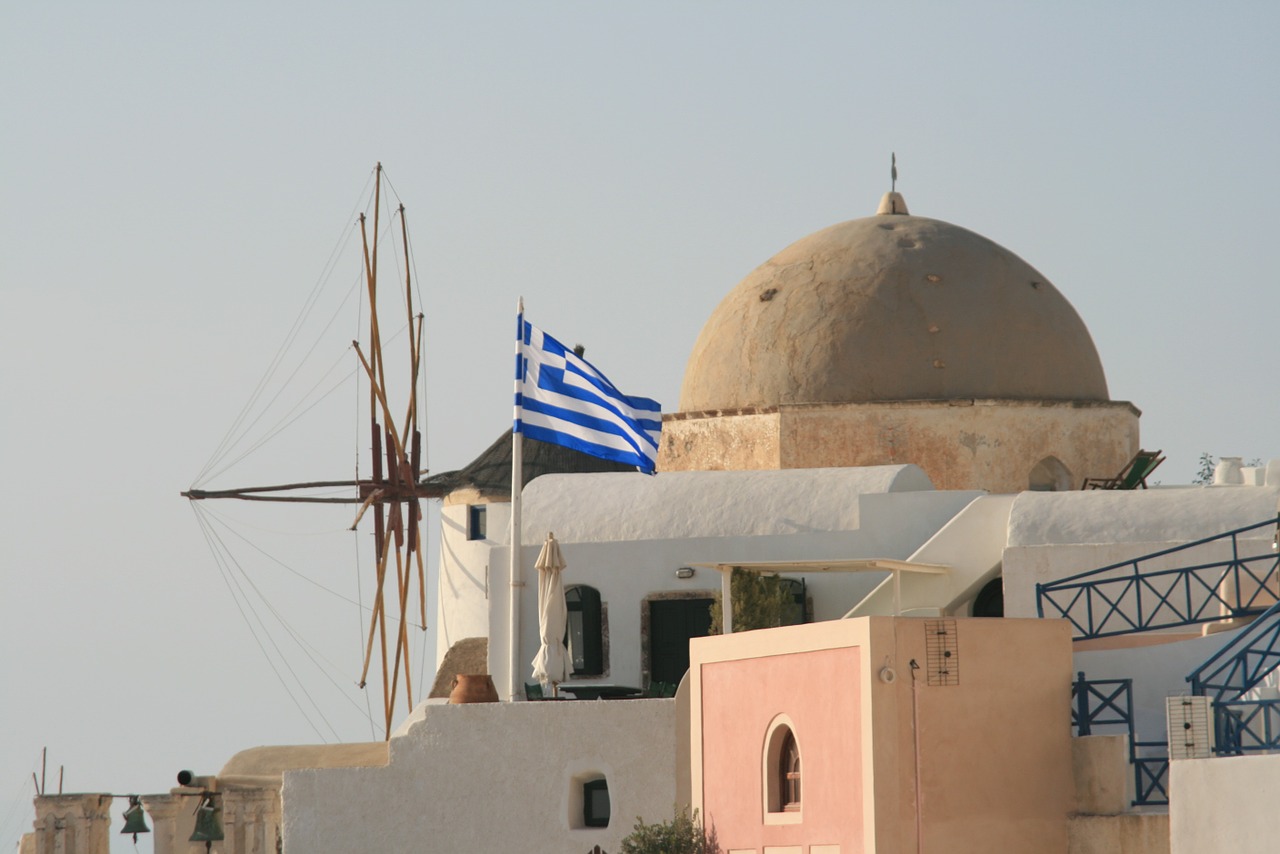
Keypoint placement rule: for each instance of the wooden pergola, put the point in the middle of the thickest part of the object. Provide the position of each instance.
(891, 565)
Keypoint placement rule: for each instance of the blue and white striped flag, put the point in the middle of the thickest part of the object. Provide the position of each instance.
(563, 400)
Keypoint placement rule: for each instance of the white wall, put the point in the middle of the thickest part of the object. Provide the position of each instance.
(626, 572)
(467, 574)
(1147, 515)
(1054, 535)
(1224, 805)
(670, 505)
(492, 777)
(627, 534)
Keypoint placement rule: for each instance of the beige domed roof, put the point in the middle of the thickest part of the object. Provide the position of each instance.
(891, 307)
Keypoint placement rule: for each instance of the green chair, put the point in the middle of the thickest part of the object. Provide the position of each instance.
(1132, 476)
(533, 691)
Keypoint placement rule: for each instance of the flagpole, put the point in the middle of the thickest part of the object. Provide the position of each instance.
(517, 473)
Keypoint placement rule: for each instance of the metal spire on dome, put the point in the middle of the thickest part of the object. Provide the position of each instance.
(892, 202)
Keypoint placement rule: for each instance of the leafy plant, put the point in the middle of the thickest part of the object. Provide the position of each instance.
(1204, 475)
(683, 834)
(759, 602)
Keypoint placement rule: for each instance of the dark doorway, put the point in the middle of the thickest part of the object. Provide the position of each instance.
(990, 600)
(671, 623)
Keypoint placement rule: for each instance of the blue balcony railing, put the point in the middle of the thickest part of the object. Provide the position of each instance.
(1247, 726)
(1243, 663)
(1101, 703)
(1151, 772)
(1108, 704)
(1138, 596)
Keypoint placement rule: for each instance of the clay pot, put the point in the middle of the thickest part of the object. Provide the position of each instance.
(473, 688)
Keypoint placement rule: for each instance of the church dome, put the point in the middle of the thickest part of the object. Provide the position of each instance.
(888, 308)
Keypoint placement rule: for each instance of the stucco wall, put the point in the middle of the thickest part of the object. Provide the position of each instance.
(1054, 535)
(725, 441)
(1224, 805)
(466, 574)
(626, 535)
(492, 777)
(619, 507)
(962, 444)
(994, 750)
(891, 525)
(827, 725)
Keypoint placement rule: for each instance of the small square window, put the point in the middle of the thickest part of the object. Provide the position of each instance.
(595, 803)
(476, 522)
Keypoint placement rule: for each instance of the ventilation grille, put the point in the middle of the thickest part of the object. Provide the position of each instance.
(942, 653)
(1190, 730)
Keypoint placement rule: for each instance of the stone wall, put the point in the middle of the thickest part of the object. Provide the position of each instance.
(961, 444)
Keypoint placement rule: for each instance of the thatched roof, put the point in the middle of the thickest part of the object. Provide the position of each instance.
(490, 473)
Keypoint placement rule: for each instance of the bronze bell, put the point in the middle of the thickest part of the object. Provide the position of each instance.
(208, 821)
(135, 821)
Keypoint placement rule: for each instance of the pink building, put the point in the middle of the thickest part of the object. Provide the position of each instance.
(884, 735)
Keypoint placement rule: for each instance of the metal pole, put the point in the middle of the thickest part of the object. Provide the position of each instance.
(517, 476)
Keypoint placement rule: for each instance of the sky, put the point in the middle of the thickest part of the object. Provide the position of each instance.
(175, 178)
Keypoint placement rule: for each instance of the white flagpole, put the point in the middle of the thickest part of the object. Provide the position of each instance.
(517, 473)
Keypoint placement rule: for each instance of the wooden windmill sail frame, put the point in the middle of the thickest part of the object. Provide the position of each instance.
(392, 489)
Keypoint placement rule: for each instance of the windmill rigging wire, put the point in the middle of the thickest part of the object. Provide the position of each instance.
(297, 637)
(294, 635)
(282, 424)
(231, 530)
(283, 349)
(246, 422)
(326, 273)
(222, 570)
(18, 804)
(229, 576)
(280, 391)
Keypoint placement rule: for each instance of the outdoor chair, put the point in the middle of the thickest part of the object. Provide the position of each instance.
(533, 691)
(1132, 476)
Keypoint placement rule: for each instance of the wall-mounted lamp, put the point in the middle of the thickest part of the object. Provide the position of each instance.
(685, 572)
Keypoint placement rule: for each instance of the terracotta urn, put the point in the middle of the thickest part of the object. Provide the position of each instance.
(473, 688)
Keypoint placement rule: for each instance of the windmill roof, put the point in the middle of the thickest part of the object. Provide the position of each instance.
(490, 473)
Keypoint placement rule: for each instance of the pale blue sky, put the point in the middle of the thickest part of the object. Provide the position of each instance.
(174, 176)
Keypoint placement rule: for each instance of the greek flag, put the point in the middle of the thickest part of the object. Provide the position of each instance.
(563, 400)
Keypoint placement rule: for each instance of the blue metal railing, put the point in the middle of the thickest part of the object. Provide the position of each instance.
(1101, 702)
(1247, 726)
(1243, 663)
(1123, 598)
(1151, 772)
(1109, 703)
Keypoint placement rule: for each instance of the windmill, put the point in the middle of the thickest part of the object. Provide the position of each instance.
(392, 488)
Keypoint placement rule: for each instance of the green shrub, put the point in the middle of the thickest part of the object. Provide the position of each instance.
(759, 602)
(681, 835)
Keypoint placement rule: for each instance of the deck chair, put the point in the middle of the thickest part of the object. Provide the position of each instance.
(1132, 476)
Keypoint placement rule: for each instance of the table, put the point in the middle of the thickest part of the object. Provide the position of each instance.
(602, 692)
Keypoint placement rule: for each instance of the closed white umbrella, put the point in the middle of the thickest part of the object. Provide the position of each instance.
(551, 662)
